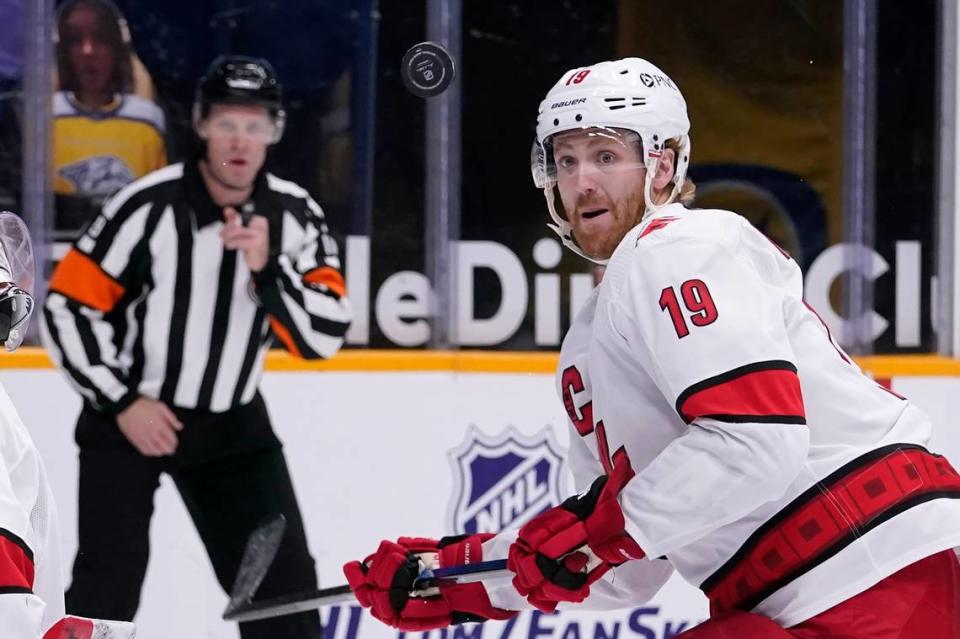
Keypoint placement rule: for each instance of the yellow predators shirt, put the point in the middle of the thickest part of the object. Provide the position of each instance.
(95, 153)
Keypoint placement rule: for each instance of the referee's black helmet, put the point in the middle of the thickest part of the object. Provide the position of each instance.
(238, 79)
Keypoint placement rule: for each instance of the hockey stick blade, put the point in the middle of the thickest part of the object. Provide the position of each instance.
(300, 602)
(262, 547)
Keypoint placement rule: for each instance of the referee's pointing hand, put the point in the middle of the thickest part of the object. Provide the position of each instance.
(253, 239)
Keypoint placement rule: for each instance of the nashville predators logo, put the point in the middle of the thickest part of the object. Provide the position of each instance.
(101, 175)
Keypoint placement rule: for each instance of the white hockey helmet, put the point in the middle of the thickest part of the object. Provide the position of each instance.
(630, 94)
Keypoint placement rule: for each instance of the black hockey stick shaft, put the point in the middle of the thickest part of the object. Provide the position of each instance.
(313, 599)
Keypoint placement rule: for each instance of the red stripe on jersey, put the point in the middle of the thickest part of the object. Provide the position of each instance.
(16, 564)
(886, 383)
(827, 518)
(655, 225)
(829, 334)
(760, 392)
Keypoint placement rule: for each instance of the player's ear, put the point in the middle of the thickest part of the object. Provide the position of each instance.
(665, 169)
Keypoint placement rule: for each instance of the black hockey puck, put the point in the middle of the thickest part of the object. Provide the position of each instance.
(427, 69)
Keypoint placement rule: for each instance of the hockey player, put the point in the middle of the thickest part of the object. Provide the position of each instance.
(717, 427)
(31, 586)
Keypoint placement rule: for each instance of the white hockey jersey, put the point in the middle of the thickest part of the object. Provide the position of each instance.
(770, 471)
(31, 582)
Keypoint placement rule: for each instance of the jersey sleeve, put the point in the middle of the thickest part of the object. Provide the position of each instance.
(21, 609)
(629, 584)
(31, 582)
(304, 293)
(86, 286)
(584, 466)
(696, 314)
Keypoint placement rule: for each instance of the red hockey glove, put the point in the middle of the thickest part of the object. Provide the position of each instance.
(548, 565)
(383, 582)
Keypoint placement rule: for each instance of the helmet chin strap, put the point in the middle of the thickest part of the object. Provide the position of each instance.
(652, 208)
(563, 229)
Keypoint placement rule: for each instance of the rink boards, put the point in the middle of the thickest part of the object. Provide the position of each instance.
(382, 444)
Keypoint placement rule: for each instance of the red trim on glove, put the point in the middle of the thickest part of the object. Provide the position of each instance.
(545, 558)
(71, 627)
(383, 581)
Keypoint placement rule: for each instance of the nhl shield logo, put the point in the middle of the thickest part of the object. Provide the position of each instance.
(503, 481)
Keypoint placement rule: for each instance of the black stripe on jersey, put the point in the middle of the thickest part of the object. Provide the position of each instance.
(75, 373)
(104, 239)
(121, 329)
(160, 192)
(87, 339)
(91, 346)
(221, 320)
(254, 344)
(137, 350)
(183, 221)
(297, 207)
(801, 501)
(740, 371)
(330, 327)
(17, 541)
(322, 290)
(138, 264)
(15, 590)
(757, 419)
(280, 312)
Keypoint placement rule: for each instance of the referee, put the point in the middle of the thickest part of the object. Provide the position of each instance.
(161, 315)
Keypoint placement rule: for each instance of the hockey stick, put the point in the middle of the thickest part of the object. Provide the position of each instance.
(261, 548)
(299, 602)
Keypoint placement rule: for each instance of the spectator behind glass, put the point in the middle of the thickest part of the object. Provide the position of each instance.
(105, 135)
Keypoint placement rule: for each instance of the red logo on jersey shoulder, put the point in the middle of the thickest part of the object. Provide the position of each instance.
(655, 225)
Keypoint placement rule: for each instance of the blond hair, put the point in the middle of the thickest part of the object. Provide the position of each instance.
(688, 191)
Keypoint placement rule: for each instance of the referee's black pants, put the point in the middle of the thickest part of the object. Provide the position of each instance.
(227, 496)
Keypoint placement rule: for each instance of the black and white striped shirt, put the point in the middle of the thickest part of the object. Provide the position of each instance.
(148, 302)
